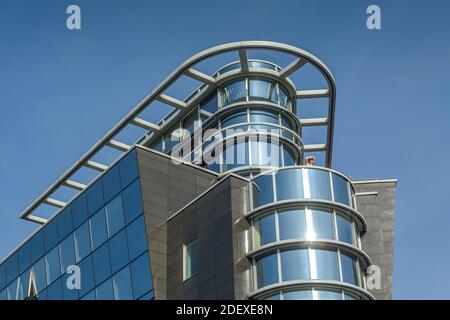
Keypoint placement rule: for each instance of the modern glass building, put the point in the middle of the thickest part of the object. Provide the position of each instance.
(213, 199)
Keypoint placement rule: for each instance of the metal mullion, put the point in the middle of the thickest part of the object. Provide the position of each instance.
(280, 276)
(341, 276)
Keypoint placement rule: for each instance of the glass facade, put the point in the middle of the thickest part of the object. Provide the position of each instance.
(102, 232)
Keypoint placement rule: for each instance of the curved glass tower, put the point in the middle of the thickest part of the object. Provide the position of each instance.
(213, 199)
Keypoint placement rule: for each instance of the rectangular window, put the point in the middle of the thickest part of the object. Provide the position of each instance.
(82, 242)
(98, 229)
(190, 259)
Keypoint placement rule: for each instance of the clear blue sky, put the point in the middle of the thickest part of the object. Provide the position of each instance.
(60, 91)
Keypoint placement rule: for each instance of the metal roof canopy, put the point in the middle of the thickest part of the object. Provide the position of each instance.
(209, 81)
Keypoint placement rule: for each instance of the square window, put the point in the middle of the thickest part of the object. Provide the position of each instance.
(190, 259)
(123, 289)
(137, 238)
(132, 202)
(141, 276)
(94, 196)
(64, 221)
(82, 242)
(50, 235)
(79, 210)
(111, 183)
(114, 215)
(102, 264)
(128, 168)
(98, 229)
(119, 251)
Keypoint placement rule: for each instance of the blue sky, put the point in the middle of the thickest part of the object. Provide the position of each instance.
(63, 90)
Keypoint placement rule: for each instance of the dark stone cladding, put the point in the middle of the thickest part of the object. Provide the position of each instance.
(376, 203)
(215, 219)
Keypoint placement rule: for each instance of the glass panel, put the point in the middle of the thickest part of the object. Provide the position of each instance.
(37, 246)
(263, 116)
(102, 263)
(11, 290)
(274, 297)
(295, 265)
(119, 251)
(289, 184)
(292, 224)
(265, 230)
(82, 242)
(191, 262)
(111, 183)
(319, 184)
(236, 155)
(67, 252)
(105, 291)
(328, 295)
(288, 157)
(64, 220)
(3, 295)
(79, 210)
(283, 98)
(22, 286)
(52, 265)
(260, 64)
(137, 238)
(98, 229)
(128, 168)
(12, 268)
(68, 294)
(123, 289)
(345, 229)
(94, 196)
(267, 270)
(262, 190)
(148, 296)
(54, 292)
(326, 265)
(340, 189)
(2, 276)
(233, 92)
(87, 278)
(38, 271)
(141, 276)
(322, 225)
(264, 152)
(349, 273)
(90, 296)
(210, 105)
(235, 118)
(114, 215)
(298, 295)
(50, 235)
(172, 137)
(132, 203)
(262, 90)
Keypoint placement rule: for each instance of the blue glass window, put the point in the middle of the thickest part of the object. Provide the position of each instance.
(319, 184)
(90, 296)
(267, 270)
(295, 265)
(102, 264)
(326, 265)
(52, 265)
(128, 168)
(288, 158)
(262, 190)
(273, 297)
(105, 291)
(265, 230)
(263, 116)
(233, 92)
(298, 295)
(289, 184)
(322, 224)
(262, 90)
(210, 105)
(24, 256)
(114, 215)
(123, 289)
(340, 189)
(82, 242)
(38, 272)
(68, 294)
(67, 252)
(328, 295)
(54, 291)
(345, 229)
(119, 251)
(111, 183)
(64, 221)
(50, 235)
(98, 229)
(137, 238)
(2, 276)
(87, 278)
(3, 295)
(349, 270)
(132, 202)
(235, 118)
(12, 268)
(148, 296)
(22, 285)
(79, 210)
(11, 290)
(37, 246)
(292, 224)
(94, 195)
(141, 276)
(283, 98)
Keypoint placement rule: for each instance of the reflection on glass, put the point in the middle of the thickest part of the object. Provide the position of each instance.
(265, 230)
(289, 184)
(349, 271)
(322, 225)
(340, 189)
(262, 90)
(233, 92)
(298, 295)
(292, 224)
(326, 265)
(122, 285)
(262, 190)
(328, 295)
(345, 229)
(295, 265)
(52, 265)
(267, 270)
(319, 184)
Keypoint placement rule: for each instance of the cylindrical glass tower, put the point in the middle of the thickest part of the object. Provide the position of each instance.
(305, 228)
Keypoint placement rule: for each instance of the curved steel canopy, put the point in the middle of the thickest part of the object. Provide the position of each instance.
(301, 58)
